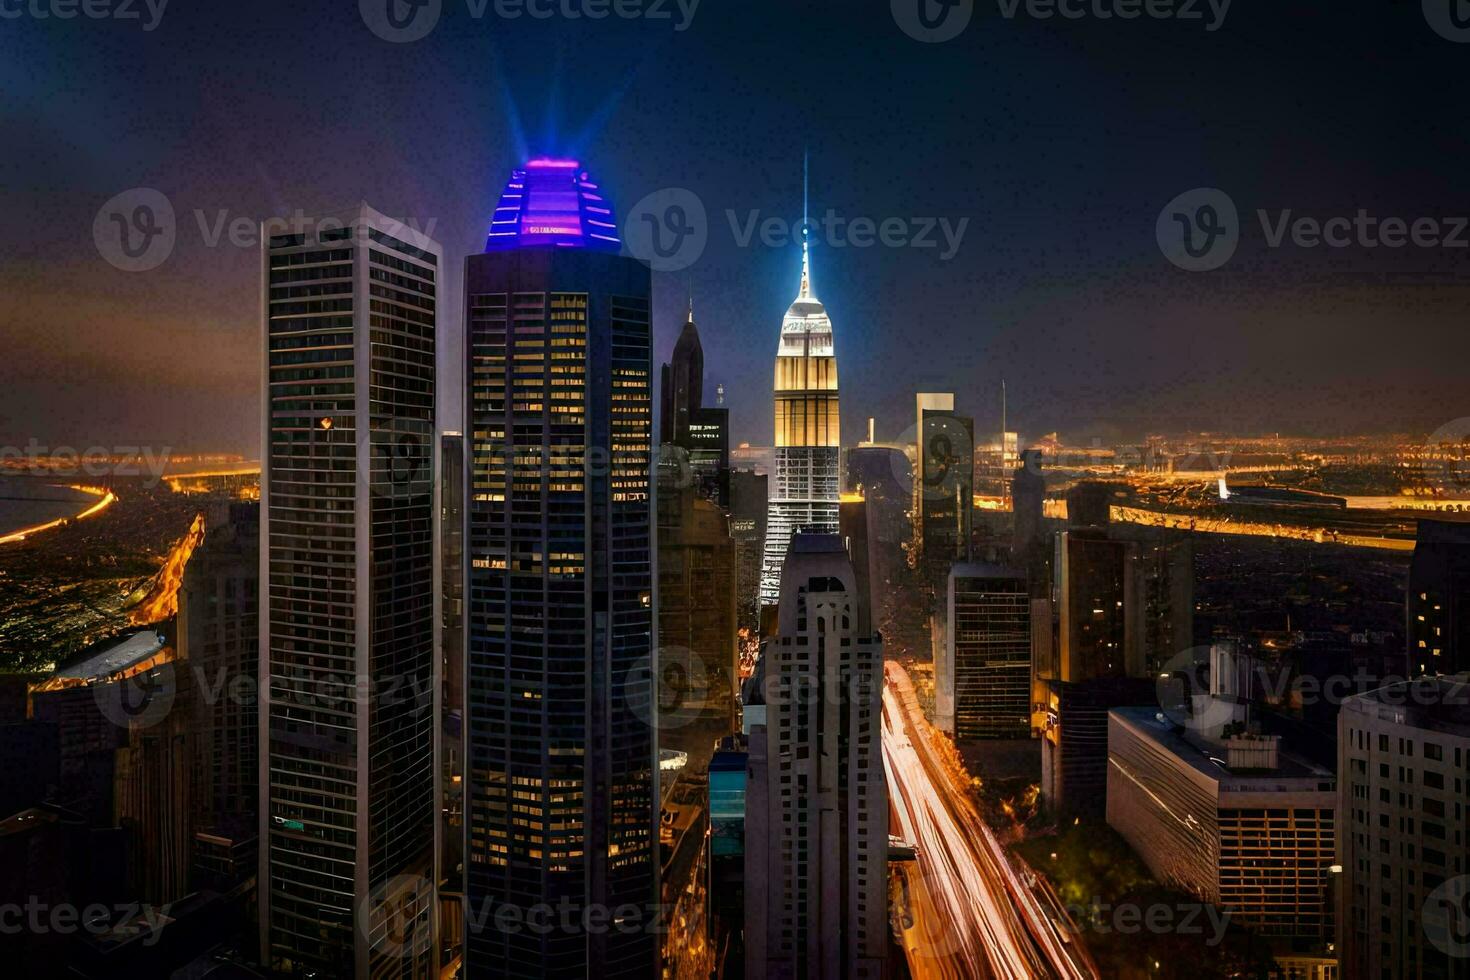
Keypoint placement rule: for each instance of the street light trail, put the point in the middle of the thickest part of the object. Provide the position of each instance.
(993, 924)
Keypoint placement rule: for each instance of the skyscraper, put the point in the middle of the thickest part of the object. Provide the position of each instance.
(816, 851)
(806, 485)
(703, 433)
(983, 683)
(944, 481)
(560, 815)
(1438, 611)
(348, 636)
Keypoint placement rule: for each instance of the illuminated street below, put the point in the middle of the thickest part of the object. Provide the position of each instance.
(973, 915)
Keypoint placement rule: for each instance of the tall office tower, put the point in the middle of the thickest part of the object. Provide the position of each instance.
(806, 485)
(1163, 584)
(983, 679)
(682, 383)
(349, 640)
(219, 641)
(1237, 822)
(451, 659)
(704, 433)
(1028, 498)
(560, 770)
(1096, 631)
(697, 642)
(727, 792)
(749, 494)
(1439, 599)
(944, 480)
(1404, 900)
(817, 816)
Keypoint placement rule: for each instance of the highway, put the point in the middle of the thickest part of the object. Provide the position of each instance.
(973, 914)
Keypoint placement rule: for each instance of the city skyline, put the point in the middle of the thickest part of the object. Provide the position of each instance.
(1057, 278)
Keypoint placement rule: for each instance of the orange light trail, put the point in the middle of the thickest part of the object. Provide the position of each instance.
(108, 498)
(162, 601)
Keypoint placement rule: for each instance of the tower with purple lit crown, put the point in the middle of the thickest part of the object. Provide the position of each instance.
(560, 790)
(805, 489)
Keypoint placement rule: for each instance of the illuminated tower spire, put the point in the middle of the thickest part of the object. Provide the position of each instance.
(806, 243)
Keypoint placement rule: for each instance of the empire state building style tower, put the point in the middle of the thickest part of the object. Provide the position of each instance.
(805, 491)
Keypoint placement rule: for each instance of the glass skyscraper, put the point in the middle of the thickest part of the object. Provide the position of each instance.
(807, 484)
(348, 653)
(560, 773)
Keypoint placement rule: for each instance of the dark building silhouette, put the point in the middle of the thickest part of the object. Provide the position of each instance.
(560, 753)
(704, 433)
(749, 496)
(1438, 611)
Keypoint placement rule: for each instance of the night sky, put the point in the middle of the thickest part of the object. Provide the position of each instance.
(1059, 141)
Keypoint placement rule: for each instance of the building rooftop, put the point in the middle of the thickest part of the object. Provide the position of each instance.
(115, 657)
(550, 202)
(1437, 704)
(1293, 774)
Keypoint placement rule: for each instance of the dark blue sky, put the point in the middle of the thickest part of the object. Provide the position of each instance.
(1059, 142)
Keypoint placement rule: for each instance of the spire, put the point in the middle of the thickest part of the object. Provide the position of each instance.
(806, 245)
(691, 299)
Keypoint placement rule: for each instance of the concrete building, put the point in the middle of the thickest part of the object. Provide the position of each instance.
(560, 749)
(696, 593)
(349, 640)
(982, 678)
(1404, 776)
(817, 811)
(1237, 822)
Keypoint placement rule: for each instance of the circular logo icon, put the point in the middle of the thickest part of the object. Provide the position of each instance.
(1446, 917)
(394, 917)
(403, 459)
(1447, 450)
(1199, 230)
(667, 230)
(140, 701)
(401, 21)
(672, 691)
(1183, 688)
(933, 21)
(1450, 19)
(948, 464)
(135, 231)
